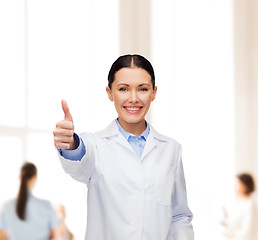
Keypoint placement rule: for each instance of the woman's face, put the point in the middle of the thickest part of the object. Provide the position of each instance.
(240, 188)
(132, 92)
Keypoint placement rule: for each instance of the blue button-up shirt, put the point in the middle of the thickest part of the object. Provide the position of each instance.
(137, 142)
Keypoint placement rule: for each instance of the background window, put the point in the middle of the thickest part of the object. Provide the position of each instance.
(52, 50)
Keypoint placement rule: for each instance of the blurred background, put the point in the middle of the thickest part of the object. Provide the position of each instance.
(205, 56)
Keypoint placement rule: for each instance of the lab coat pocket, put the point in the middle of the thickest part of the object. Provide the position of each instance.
(165, 188)
(165, 213)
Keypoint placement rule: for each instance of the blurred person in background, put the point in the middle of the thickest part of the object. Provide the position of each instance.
(27, 217)
(63, 233)
(240, 219)
(2, 233)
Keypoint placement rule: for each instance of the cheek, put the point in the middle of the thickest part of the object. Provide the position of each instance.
(119, 98)
(236, 187)
(239, 188)
(147, 99)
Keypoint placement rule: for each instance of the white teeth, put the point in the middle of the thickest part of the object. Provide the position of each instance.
(133, 109)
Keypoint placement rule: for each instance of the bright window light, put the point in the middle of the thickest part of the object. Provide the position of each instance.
(64, 51)
(12, 56)
(10, 166)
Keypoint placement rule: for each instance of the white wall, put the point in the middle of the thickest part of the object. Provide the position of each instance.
(246, 87)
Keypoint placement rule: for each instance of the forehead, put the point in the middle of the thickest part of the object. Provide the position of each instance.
(132, 76)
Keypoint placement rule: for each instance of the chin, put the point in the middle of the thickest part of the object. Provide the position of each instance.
(132, 119)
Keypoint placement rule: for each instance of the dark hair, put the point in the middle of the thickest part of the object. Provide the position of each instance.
(131, 61)
(28, 171)
(248, 181)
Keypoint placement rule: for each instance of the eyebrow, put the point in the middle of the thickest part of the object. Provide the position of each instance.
(129, 85)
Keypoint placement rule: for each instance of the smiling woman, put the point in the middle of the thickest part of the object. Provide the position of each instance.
(132, 89)
(134, 175)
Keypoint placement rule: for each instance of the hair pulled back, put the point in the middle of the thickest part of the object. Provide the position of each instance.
(248, 181)
(131, 61)
(28, 171)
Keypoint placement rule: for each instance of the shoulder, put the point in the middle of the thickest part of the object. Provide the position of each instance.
(252, 202)
(9, 203)
(164, 138)
(44, 207)
(8, 206)
(41, 202)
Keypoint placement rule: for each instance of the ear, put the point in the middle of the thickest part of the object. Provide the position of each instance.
(154, 93)
(109, 93)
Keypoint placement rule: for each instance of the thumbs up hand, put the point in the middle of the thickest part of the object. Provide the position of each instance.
(63, 133)
(67, 114)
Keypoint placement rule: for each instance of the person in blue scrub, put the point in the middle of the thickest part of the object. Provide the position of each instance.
(27, 217)
(134, 175)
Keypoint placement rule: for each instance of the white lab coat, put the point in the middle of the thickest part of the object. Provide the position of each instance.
(131, 198)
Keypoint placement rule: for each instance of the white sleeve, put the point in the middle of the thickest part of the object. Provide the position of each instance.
(82, 170)
(181, 226)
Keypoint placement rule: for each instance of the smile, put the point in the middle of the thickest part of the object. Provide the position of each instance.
(133, 109)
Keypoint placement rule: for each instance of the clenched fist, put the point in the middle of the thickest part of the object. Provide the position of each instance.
(63, 133)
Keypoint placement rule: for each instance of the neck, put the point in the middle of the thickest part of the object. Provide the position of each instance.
(134, 128)
(244, 196)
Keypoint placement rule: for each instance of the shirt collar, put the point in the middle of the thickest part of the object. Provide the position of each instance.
(144, 134)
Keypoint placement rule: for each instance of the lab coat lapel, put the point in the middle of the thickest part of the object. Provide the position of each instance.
(120, 139)
(113, 134)
(152, 142)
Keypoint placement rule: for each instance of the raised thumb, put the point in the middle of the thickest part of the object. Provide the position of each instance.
(67, 114)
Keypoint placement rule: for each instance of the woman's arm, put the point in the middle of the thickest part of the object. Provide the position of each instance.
(181, 226)
(3, 235)
(53, 234)
(65, 140)
(82, 170)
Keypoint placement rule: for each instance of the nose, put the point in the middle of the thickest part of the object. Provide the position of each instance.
(133, 97)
